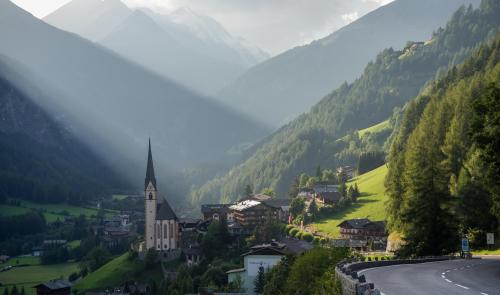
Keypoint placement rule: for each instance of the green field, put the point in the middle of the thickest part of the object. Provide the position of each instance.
(29, 276)
(21, 260)
(51, 212)
(8, 210)
(115, 273)
(370, 205)
(375, 128)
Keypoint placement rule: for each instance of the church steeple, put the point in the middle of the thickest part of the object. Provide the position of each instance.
(150, 171)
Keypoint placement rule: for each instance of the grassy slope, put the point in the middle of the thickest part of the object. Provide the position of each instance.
(115, 273)
(375, 128)
(370, 205)
(29, 276)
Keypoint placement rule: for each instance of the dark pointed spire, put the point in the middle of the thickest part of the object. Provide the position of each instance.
(150, 171)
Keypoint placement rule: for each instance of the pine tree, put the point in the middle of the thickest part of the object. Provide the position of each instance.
(294, 188)
(260, 281)
(318, 172)
(248, 191)
(429, 225)
(313, 209)
(486, 134)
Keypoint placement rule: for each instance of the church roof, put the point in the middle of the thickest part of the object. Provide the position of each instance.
(164, 211)
(150, 170)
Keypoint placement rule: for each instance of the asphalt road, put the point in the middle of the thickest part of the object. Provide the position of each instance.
(453, 277)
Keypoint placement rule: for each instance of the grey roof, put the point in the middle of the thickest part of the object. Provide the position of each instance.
(55, 284)
(235, 270)
(164, 211)
(214, 207)
(278, 203)
(297, 246)
(355, 223)
(322, 188)
(150, 170)
(267, 250)
(331, 196)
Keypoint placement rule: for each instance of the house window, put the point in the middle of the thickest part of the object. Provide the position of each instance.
(172, 229)
(159, 231)
(165, 234)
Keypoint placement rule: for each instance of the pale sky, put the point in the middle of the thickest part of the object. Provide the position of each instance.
(273, 25)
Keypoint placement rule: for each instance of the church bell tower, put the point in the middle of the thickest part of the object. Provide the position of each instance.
(150, 201)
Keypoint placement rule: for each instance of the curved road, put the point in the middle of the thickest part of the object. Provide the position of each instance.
(452, 277)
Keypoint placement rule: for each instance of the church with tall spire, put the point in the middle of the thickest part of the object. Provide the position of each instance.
(161, 223)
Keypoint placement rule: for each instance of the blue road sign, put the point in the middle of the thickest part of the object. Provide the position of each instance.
(465, 245)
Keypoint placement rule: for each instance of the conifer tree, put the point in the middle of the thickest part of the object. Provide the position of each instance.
(260, 281)
(429, 225)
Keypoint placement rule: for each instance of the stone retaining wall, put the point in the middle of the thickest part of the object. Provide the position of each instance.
(352, 284)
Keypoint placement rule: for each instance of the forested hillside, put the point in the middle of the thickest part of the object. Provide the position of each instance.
(40, 160)
(444, 163)
(388, 83)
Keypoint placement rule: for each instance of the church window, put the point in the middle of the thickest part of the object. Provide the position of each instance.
(150, 196)
(172, 229)
(165, 234)
(159, 231)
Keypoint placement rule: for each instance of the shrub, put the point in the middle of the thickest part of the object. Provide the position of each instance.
(288, 228)
(294, 231)
(316, 240)
(299, 235)
(308, 237)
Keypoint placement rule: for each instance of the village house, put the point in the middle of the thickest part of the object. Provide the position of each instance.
(265, 256)
(55, 287)
(346, 172)
(214, 211)
(279, 207)
(327, 194)
(250, 213)
(364, 233)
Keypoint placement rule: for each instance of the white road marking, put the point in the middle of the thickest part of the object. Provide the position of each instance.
(443, 276)
(467, 288)
(448, 280)
(443, 273)
(484, 293)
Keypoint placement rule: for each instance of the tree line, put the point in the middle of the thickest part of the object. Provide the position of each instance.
(444, 162)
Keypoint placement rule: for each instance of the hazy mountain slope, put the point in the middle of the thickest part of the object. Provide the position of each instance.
(116, 104)
(189, 48)
(38, 154)
(205, 35)
(390, 81)
(287, 85)
(141, 40)
(91, 19)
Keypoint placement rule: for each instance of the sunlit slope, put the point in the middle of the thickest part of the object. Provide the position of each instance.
(370, 205)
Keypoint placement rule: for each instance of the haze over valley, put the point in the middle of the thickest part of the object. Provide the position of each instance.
(246, 147)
